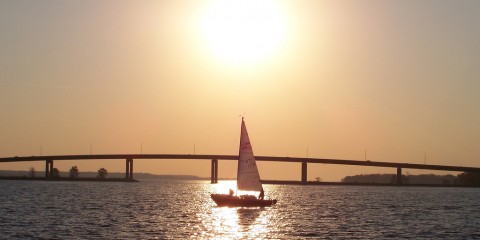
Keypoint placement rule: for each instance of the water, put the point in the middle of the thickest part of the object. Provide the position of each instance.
(183, 209)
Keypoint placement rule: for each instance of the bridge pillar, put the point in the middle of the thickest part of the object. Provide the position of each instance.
(399, 176)
(51, 168)
(214, 173)
(129, 169)
(48, 168)
(216, 170)
(304, 172)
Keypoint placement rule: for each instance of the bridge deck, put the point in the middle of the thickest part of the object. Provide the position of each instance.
(235, 157)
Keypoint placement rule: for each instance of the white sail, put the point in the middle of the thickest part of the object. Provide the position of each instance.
(248, 178)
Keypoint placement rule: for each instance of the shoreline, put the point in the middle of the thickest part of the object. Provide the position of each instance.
(313, 183)
(69, 179)
(273, 182)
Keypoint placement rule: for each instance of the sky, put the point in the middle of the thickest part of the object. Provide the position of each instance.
(393, 81)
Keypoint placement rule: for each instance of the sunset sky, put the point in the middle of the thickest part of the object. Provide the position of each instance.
(331, 79)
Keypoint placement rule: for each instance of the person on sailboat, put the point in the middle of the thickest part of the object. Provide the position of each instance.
(262, 195)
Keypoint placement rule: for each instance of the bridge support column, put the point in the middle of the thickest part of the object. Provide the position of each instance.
(304, 172)
(214, 173)
(399, 176)
(48, 168)
(216, 170)
(129, 169)
(51, 168)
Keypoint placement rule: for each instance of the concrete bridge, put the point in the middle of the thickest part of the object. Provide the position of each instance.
(49, 160)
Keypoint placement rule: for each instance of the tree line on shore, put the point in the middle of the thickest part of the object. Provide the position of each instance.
(462, 179)
(73, 173)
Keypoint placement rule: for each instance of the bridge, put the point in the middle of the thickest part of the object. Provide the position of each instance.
(49, 160)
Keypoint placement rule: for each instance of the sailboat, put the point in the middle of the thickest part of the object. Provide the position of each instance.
(248, 179)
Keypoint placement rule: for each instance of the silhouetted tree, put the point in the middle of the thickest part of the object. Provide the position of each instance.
(102, 173)
(55, 173)
(469, 179)
(406, 179)
(32, 172)
(393, 180)
(74, 172)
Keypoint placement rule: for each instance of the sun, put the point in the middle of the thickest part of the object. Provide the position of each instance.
(243, 32)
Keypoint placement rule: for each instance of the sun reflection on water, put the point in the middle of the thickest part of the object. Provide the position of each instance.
(238, 223)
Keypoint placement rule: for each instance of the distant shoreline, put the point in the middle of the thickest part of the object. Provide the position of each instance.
(22, 175)
(272, 182)
(359, 180)
(69, 179)
(314, 183)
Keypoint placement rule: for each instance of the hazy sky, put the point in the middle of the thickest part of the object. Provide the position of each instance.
(395, 78)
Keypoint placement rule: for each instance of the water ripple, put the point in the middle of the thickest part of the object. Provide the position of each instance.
(183, 209)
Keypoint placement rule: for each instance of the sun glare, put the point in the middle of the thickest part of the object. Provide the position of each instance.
(243, 32)
(223, 187)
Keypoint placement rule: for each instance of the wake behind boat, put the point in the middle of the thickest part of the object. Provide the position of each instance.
(248, 179)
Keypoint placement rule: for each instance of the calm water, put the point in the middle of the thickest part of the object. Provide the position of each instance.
(183, 209)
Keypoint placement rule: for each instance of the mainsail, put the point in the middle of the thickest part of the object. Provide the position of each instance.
(248, 178)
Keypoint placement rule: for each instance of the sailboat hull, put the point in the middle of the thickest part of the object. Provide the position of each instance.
(225, 200)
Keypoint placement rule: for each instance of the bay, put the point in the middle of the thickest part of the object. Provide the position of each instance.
(168, 209)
